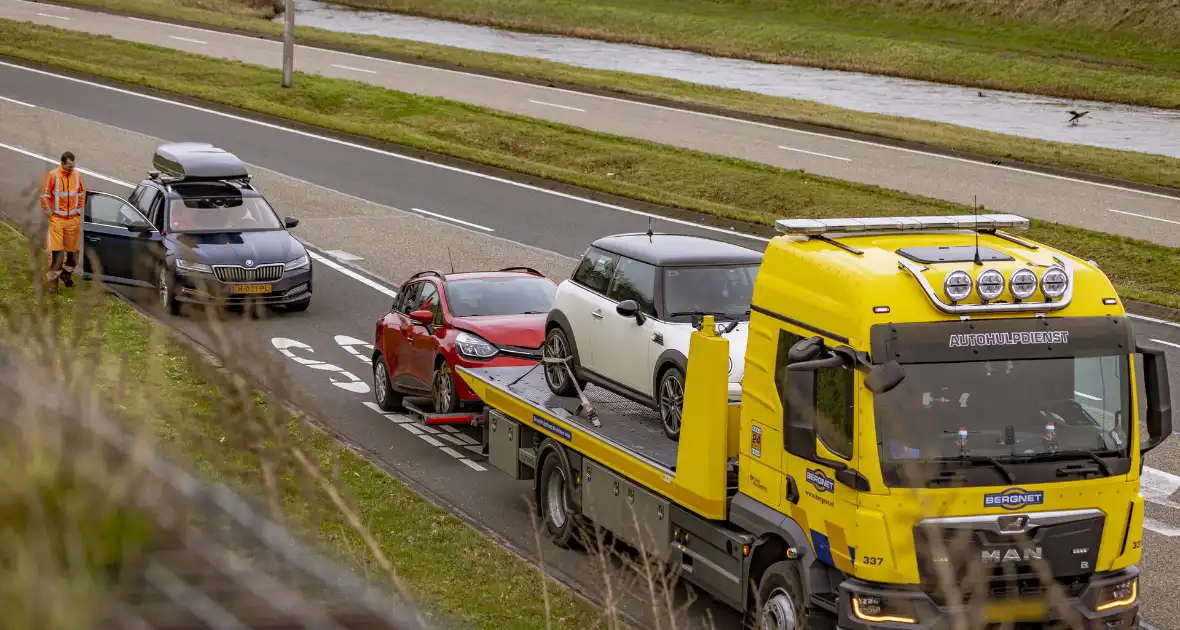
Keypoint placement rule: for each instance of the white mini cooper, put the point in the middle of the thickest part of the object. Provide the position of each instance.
(628, 312)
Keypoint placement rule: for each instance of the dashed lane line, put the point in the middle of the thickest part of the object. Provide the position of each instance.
(434, 436)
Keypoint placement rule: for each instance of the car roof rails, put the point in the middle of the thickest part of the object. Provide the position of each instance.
(431, 272)
(524, 269)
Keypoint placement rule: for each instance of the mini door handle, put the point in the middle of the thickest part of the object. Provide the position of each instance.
(596, 314)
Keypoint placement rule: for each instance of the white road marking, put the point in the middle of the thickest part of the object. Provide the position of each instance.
(429, 429)
(13, 100)
(1167, 343)
(1087, 396)
(56, 17)
(393, 417)
(1158, 487)
(1144, 216)
(38, 156)
(351, 274)
(412, 428)
(1160, 528)
(452, 439)
(452, 452)
(340, 254)
(354, 384)
(188, 39)
(336, 65)
(576, 109)
(398, 156)
(446, 218)
(350, 344)
(472, 465)
(577, 94)
(834, 157)
(431, 441)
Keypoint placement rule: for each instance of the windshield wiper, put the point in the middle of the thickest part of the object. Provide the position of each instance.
(981, 459)
(728, 328)
(1072, 454)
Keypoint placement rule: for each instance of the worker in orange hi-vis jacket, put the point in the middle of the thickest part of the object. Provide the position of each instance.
(62, 199)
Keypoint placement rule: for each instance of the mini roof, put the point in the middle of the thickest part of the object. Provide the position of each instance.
(677, 250)
(198, 161)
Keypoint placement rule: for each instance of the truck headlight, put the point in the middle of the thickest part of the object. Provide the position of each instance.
(298, 263)
(990, 284)
(196, 267)
(1053, 282)
(474, 346)
(957, 285)
(879, 610)
(1023, 283)
(1118, 595)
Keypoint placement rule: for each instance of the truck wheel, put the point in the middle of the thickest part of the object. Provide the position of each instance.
(780, 599)
(556, 505)
(387, 399)
(557, 345)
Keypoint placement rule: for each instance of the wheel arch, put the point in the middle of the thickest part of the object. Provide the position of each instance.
(776, 533)
(552, 448)
(557, 319)
(668, 358)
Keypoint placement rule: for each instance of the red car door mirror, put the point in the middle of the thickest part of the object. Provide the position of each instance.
(426, 318)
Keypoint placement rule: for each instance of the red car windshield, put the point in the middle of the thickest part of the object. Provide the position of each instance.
(500, 296)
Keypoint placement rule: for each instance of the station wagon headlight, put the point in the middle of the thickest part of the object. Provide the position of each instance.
(298, 263)
(474, 346)
(1054, 282)
(990, 284)
(1024, 283)
(195, 267)
(957, 285)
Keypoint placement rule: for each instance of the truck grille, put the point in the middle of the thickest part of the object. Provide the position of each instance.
(235, 273)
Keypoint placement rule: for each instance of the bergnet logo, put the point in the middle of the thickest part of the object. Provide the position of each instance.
(1036, 338)
(822, 482)
(1013, 498)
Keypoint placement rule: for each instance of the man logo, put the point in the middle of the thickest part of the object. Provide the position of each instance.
(1013, 498)
(1011, 555)
(822, 482)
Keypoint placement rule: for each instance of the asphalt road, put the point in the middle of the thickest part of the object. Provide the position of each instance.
(373, 236)
(1103, 207)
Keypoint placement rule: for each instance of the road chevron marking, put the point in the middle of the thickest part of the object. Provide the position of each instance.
(431, 436)
(354, 384)
(350, 344)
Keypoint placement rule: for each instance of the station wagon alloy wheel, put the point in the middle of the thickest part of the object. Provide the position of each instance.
(443, 393)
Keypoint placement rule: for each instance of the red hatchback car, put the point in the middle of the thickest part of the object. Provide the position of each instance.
(439, 322)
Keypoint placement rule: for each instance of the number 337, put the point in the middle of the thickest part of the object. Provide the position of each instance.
(871, 560)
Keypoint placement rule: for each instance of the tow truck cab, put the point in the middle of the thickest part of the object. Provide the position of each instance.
(947, 414)
(937, 419)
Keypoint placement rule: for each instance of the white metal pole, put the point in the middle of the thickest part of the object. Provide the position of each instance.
(289, 42)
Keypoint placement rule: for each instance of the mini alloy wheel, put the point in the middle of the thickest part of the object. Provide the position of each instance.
(671, 401)
(556, 375)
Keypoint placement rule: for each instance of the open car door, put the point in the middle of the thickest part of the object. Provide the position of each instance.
(119, 241)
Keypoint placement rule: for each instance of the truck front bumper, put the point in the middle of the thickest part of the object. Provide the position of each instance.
(871, 606)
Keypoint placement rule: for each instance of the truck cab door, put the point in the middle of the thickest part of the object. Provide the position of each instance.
(119, 239)
(813, 460)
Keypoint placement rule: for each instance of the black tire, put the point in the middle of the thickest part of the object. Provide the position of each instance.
(670, 401)
(555, 502)
(165, 293)
(557, 344)
(387, 398)
(442, 390)
(780, 603)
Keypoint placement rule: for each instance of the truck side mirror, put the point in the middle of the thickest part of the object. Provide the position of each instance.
(805, 350)
(884, 377)
(1159, 397)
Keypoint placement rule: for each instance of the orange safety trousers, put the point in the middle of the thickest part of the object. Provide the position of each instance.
(63, 199)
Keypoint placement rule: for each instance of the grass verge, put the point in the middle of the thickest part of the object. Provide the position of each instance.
(659, 174)
(1125, 165)
(375, 524)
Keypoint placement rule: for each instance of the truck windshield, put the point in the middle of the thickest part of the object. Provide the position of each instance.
(1006, 408)
(727, 290)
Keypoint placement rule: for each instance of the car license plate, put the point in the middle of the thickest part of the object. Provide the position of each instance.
(251, 288)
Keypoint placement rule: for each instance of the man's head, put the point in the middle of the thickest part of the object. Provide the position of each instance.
(67, 161)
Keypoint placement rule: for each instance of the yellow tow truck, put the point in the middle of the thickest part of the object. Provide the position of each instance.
(938, 425)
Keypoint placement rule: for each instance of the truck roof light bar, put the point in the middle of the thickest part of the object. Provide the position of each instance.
(1062, 263)
(881, 225)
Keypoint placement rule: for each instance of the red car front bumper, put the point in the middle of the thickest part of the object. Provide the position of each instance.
(461, 386)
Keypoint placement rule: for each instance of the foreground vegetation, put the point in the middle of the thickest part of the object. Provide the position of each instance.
(377, 526)
(1092, 49)
(1127, 165)
(680, 178)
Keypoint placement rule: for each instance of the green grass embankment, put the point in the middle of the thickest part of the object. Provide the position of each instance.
(178, 401)
(978, 49)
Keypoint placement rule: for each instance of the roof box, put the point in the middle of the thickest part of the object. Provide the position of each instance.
(197, 161)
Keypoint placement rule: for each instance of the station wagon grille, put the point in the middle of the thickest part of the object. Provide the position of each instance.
(235, 273)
